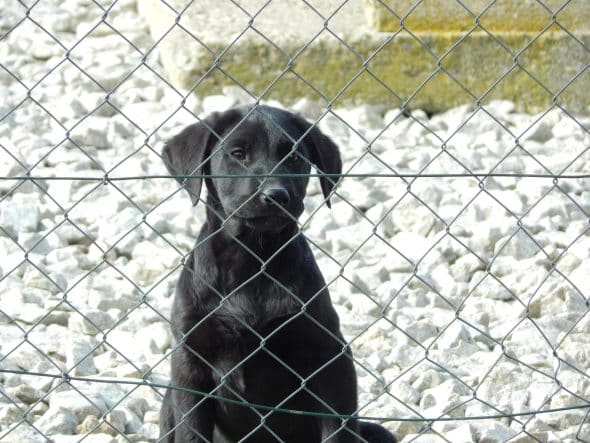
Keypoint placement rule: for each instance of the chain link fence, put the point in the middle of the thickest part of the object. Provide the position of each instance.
(456, 251)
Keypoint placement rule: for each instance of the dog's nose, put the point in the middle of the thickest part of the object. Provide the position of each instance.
(275, 196)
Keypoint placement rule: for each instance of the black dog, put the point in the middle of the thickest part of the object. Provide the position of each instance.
(251, 310)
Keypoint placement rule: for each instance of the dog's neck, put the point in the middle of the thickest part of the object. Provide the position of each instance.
(236, 255)
(246, 265)
(230, 233)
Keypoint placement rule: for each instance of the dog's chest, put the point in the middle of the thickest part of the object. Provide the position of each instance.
(259, 301)
(254, 311)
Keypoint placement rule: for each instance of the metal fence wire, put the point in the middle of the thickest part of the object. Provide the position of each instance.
(456, 249)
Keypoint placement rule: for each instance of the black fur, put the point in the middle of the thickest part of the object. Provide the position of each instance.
(251, 309)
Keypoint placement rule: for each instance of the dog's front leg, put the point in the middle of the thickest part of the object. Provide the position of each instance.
(194, 418)
(335, 431)
(341, 398)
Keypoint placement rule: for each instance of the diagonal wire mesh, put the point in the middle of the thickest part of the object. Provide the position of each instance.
(456, 250)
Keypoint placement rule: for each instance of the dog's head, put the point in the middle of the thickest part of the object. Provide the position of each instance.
(255, 161)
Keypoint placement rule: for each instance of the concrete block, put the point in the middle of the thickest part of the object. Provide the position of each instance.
(286, 50)
(452, 16)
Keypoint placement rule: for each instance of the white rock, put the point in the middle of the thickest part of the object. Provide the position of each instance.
(362, 118)
(15, 307)
(159, 334)
(405, 355)
(541, 391)
(379, 360)
(555, 297)
(110, 72)
(69, 107)
(455, 334)
(16, 218)
(461, 434)
(119, 231)
(500, 108)
(79, 356)
(579, 278)
(412, 246)
(582, 430)
(9, 414)
(80, 405)
(94, 101)
(91, 132)
(125, 343)
(108, 298)
(88, 425)
(115, 422)
(506, 387)
(367, 278)
(26, 394)
(41, 242)
(92, 322)
(347, 214)
(138, 405)
(485, 285)
(464, 267)
(493, 432)
(60, 191)
(443, 398)
(97, 437)
(24, 433)
(150, 431)
(143, 270)
(137, 370)
(422, 438)
(69, 254)
(132, 422)
(148, 115)
(152, 417)
(307, 108)
(422, 331)
(441, 280)
(42, 382)
(540, 131)
(119, 128)
(112, 393)
(334, 126)
(405, 392)
(157, 251)
(57, 420)
(535, 428)
(12, 256)
(106, 362)
(45, 280)
(217, 103)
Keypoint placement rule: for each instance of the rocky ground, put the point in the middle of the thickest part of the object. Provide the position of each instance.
(462, 297)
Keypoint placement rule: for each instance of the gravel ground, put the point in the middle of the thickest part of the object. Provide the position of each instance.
(461, 297)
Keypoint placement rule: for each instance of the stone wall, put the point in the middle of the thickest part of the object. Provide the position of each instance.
(433, 55)
(501, 16)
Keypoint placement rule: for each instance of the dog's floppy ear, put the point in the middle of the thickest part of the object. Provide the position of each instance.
(326, 157)
(187, 152)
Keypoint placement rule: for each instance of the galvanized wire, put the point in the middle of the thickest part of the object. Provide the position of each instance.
(105, 176)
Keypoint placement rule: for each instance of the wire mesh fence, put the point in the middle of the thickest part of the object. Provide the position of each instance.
(456, 249)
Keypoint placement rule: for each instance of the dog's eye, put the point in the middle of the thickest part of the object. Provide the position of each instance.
(238, 154)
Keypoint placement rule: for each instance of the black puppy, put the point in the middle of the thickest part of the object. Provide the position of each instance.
(252, 312)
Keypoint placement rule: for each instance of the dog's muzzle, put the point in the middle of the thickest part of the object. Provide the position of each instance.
(275, 196)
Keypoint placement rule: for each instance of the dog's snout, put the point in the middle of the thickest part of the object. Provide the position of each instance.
(275, 196)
